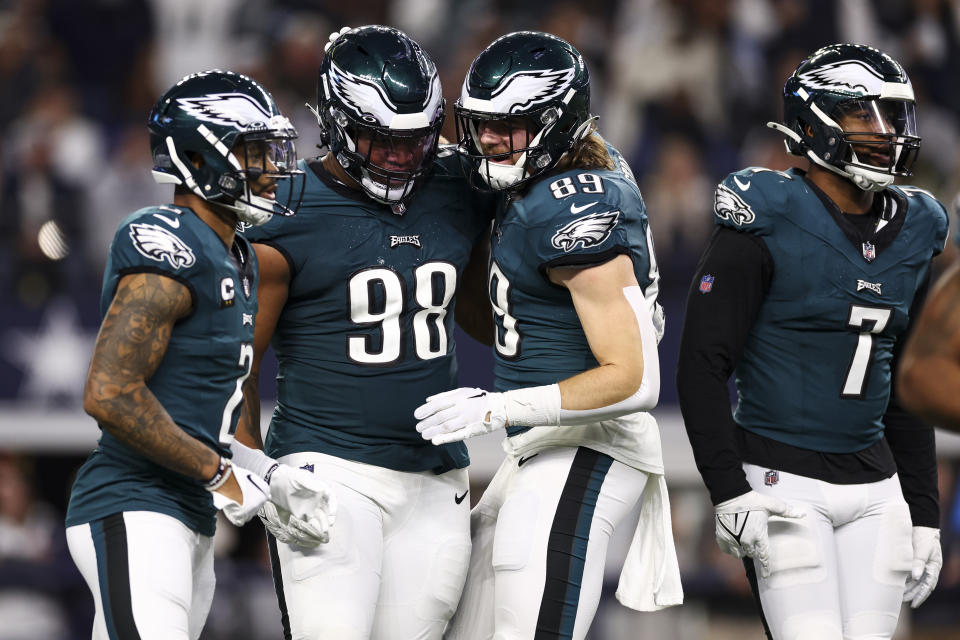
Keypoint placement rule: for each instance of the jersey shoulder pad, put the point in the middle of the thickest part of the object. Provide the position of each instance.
(157, 239)
(581, 214)
(751, 199)
(928, 210)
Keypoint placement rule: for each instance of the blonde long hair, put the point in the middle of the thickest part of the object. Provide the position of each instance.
(589, 152)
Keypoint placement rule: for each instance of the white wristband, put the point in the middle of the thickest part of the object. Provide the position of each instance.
(253, 460)
(533, 406)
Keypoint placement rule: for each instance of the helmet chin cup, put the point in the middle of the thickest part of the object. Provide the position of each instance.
(501, 176)
(383, 193)
(869, 180)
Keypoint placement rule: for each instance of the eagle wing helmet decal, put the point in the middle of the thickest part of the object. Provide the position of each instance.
(156, 243)
(524, 89)
(847, 76)
(730, 206)
(226, 109)
(587, 231)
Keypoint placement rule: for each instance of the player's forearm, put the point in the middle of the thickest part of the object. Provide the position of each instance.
(248, 426)
(134, 416)
(928, 387)
(601, 386)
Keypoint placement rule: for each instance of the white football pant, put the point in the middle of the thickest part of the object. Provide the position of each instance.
(839, 572)
(540, 536)
(396, 561)
(151, 576)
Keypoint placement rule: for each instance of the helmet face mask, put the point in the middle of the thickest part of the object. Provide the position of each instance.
(850, 109)
(220, 135)
(531, 91)
(380, 110)
(880, 135)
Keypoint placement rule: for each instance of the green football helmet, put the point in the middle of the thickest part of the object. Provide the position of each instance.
(870, 92)
(380, 109)
(225, 118)
(524, 81)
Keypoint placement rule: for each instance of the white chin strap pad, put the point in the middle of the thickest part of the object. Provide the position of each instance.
(252, 215)
(501, 176)
(380, 191)
(869, 180)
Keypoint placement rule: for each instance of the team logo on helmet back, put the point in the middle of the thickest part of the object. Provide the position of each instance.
(156, 243)
(587, 231)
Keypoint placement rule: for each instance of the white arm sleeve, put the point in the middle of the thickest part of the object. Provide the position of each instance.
(252, 459)
(540, 406)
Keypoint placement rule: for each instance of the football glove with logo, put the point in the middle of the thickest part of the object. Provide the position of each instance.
(255, 493)
(309, 505)
(742, 525)
(460, 414)
(927, 562)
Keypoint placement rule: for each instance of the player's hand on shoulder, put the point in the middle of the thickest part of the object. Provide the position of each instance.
(240, 494)
(741, 525)
(459, 414)
(307, 507)
(927, 562)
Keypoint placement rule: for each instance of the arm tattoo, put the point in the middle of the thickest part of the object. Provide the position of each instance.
(130, 346)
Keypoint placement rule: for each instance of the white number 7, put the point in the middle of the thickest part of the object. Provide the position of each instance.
(863, 356)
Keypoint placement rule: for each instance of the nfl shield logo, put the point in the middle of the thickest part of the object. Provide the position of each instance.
(869, 252)
(771, 478)
(706, 284)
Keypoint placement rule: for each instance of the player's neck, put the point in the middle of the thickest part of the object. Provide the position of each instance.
(333, 167)
(222, 221)
(848, 197)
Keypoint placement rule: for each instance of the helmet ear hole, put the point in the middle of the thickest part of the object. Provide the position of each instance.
(196, 159)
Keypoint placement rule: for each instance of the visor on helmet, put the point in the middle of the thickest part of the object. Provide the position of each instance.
(880, 134)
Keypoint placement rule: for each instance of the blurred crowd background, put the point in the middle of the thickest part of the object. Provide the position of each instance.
(683, 88)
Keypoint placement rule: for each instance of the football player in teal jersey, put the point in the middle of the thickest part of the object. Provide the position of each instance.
(821, 481)
(357, 295)
(176, 343)
(573, 284)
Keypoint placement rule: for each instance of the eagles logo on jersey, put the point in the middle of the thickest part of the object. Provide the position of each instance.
(729, 206)
(155, 242)
(588, 231)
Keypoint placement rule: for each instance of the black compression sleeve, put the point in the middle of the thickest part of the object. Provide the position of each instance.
(715, 330)
(913, 442)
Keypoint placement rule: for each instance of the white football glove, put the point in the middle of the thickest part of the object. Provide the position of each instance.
(333, 37)
(460, 414)
(290, 529)
(742, 525)
(255, 493)
(927, 562)
(311, 505)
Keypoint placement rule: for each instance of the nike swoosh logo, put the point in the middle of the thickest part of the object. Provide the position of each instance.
(173, 222)
(743, 187)
(523, 460)
(459, 499)
(574, 209)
